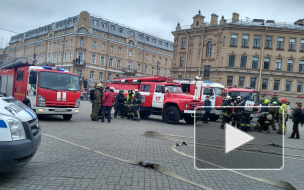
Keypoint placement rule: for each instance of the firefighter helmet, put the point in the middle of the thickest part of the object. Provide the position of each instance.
(99, 85)
(239, 97)
(130, 90)
(283, 100)
(121, 90)
(228, 97)
(274, 103)
(266, 101)
(269, 117)
(136, 90)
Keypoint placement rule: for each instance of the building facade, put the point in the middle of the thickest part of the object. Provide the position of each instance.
(95, 48)
(264, 55)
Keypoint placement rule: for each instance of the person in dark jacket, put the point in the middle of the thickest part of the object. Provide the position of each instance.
(120, 107)
(107, 101)
(227, 111)
(207, 102)
(297, 118)
(96, 103)
(101, 107)
(136, 103)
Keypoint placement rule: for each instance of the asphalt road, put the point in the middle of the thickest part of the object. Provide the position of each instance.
(75, 155)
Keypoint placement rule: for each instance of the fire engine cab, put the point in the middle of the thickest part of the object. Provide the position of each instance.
(201, 89)
(162, 97)
(46, 90)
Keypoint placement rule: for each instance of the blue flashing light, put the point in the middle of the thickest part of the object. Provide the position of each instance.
(207, 82)
(47, 67)
(248, 87)
(61, 69)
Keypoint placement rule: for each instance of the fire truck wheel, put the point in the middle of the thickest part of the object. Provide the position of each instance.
(172, 115)
(189, 119)
(213, 117)
(67, 116)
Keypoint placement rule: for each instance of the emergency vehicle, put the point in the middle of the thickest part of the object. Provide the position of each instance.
(46, 90)
(253, 98)
(162, 97)
(201, 89)
(20, 133)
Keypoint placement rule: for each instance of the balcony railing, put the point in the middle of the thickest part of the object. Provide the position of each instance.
(78, 63)
(128, 71)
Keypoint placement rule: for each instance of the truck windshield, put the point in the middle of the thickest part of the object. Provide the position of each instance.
(174, 89)
(221, 92)
(58, 81)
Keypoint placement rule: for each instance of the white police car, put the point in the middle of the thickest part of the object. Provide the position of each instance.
(20, 133)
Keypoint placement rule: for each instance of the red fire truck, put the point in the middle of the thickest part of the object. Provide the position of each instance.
(162, 97)
(201, 89)
(46, 90)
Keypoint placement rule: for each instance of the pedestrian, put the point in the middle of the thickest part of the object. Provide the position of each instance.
(207, 102)
(107, 102)
(81, 95)
(226, 111)
(136, 103)
(297, 118)
(120, 100)
(129, 108)
(236, 114)
(282, 111)
(245, 118)
(96, 103)
(101, 105)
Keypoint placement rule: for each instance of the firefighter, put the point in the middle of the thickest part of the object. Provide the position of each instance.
(96, 103)
(101, 106)
(245, 118)
(120, 107)
(226, 111)
(129, 108)
(236, 114)
(282, 111)
(136, 103)
(274, 113)
(263, 119)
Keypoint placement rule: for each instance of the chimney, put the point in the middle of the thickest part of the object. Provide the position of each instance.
(235, 17)
(223, 21)
(213, 19)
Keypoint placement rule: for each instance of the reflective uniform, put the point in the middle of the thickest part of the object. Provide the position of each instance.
(263, 122)
(273, 112)
(245, 118)
(129, 108)
(137, 102)
(96, 105)
(282, 109)
(236, 115)
(226, 113)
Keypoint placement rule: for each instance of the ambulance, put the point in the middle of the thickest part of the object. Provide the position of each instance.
(20, 133)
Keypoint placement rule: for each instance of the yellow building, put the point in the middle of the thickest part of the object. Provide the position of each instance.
(265, 55)
(95, 48)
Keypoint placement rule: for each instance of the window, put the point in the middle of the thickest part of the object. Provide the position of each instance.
(268, 42)
(180, 76)
(233, 40)
(110, 62)
(94, 32)
(119, 40)
(139, 55)
(159, 59)
(280, 43)
(70, 56)
(255, 61)
(243, 61)
(288, 86)
(231, 60)
(103, 46)
(20, 75)
(147, 56)
(245, 41)
(292, 42)
(66, 43)
(159, 50)
(158, 70)
(241, 81)
(91, 74)
(183, 43)
(139, 67)
(102, 60)
(181, 62)
(57, 58)
(94, 44)
(153, 58)
(93, 59)
(166, 61)
(112, 49)
(80, 57)
(117, 75)
(256, 42)
(130, 52)
(81, 42)
(276, 85)
(71, 42)
(278, 64)
(65, 57)
(207, 71)
(266, 63)
(229, 80)
(301, 66)
(119, 50)
(79, 72)
(300, 87)
(302, 45)
(146, 68)
(112, 37)
(252, 83)
(290, 65)
(152, 70)
(165, 72)
(100, 75)
(264, 84)
(209, 49)
(118, 64)
(145, 88)
(109, 76)
(104, 34)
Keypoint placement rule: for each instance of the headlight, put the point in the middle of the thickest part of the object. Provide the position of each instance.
(186, 105)
(16, 127)
(77, 104)
(41, 101)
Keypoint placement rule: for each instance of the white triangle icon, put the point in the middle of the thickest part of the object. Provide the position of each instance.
(235, 138)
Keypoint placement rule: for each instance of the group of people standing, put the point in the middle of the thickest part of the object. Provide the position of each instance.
(103, 102)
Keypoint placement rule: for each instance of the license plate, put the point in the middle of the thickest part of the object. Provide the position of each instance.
(60, 110)
(38, 144)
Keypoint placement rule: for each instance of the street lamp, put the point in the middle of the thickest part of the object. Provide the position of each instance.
(157, 64)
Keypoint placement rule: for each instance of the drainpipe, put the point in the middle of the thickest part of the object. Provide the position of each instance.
(262, 56)
(186, 60)
(201, 54)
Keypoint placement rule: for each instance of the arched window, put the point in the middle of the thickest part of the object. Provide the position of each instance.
(131, 42)
(209, 49)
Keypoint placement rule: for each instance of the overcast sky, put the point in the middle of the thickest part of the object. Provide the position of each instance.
(157, 17)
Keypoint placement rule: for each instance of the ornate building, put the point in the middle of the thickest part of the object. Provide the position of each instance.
(95, 48)
(265, 55)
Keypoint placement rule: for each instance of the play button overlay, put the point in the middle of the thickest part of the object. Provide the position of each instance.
(237, 147)
(235, 138)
